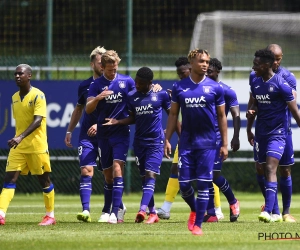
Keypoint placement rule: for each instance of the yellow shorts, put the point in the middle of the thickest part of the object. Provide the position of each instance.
(175, 159)
(36, 164)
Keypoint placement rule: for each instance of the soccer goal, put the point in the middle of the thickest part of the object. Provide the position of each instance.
(233, 37)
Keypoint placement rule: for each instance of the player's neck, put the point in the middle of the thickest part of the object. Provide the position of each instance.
(25, 90)
(197, 78)
(268, 76)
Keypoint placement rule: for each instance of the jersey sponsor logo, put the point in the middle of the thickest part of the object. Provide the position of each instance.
(114, 98)
(195, 102)
(143, 110)
(263, 99)
(122, 84)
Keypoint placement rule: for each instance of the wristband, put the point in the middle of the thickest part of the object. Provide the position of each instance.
(68, 132)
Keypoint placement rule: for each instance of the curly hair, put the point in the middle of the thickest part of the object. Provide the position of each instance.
(266, 56)
(214, 62)
(145, 73)
(193, 53)
(182, 61)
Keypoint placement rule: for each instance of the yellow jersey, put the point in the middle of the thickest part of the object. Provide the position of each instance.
(24, 109)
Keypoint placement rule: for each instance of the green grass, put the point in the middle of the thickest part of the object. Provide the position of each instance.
(25, 212)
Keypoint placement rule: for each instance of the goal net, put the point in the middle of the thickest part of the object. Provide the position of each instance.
(233, 37)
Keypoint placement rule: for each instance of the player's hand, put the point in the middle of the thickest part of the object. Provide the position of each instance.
(68, 140)
(169, 92)
(235, 144)
(104, 94)
(156, 87)
(92, 131)
(223, 153)
(250, 136)
(250, 113)
(110, 121)
(14, 142)
(167, 149)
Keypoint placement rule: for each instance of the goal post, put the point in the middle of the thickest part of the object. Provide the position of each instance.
(234, 36)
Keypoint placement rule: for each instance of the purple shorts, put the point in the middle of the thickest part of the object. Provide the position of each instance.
(272, 146)
(196, 164)
(114, 148)
(88, 153)
(287, 158)
(218, 160)
(148, 158)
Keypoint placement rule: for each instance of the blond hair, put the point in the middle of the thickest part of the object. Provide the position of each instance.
(193, 53)
(97, 51)
(110, 56)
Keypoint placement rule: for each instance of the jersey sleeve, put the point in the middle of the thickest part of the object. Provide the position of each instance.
(80, 100)
(231, 98)
(286, 91)
(131, 84)
(93, 90)
(175, 93)
(40, 105)
(219, 98)
(166, 102)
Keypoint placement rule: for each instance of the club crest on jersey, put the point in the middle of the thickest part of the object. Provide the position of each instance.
(271, 88)
(154, 98)
(122, 84)
(206, 89)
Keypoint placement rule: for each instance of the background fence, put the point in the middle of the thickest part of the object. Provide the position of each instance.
(56, 38)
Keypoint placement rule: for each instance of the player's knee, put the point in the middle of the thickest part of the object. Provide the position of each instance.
(259, 169)
(149, 174)
(11, 177)
(174, 168)
(44, 180)
(87, 171)
(285, 171)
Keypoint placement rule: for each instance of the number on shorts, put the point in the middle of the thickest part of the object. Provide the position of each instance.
(80, 150)
(137, 161)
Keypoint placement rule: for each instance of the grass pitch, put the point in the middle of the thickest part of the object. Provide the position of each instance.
(25, 212)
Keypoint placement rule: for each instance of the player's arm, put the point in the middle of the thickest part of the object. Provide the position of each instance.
(126, 121)
(171, 127)
(222, 122)
(235, 142)
(292, 105)
(251, 113)
(14, 142)
(75, 117)
(92, 102)
(178, 125)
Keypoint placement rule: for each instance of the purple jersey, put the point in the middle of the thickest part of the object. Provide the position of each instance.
(113, 106)
(88, 119)
(198, 108)
(271, 97)
(290, 79)
(147, 109)
(230, 101)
